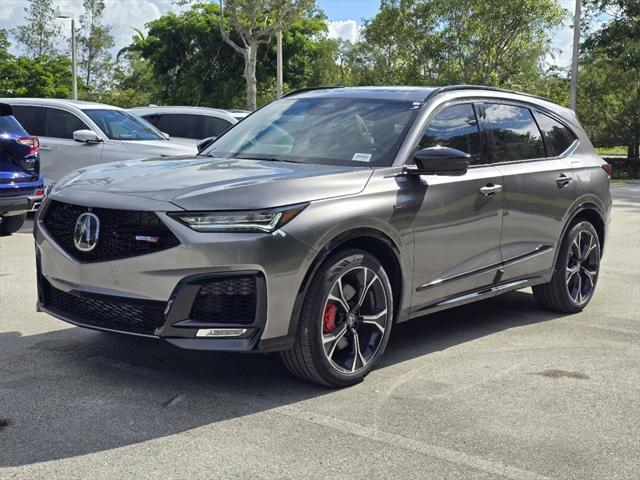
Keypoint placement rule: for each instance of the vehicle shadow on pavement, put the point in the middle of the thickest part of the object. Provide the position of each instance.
(73, 391)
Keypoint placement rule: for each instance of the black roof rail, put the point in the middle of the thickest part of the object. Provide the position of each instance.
(309, 89)
(453, 88)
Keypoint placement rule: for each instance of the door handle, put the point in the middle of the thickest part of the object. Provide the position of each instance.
(490, 189)
(563, 180)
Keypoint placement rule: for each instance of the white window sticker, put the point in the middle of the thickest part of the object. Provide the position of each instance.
(361, 157)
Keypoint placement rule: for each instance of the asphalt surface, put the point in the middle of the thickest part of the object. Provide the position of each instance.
(497, 389)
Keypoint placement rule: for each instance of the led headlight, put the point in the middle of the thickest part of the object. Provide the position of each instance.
(265, 221)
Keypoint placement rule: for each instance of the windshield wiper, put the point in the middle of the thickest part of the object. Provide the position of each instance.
(268, 159)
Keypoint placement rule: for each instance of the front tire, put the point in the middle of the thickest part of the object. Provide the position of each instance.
(12, 224)
(576, 271)
(345, 321)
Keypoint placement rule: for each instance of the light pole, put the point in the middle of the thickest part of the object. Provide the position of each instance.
(576, 53)
(74, 69)
(279, 64)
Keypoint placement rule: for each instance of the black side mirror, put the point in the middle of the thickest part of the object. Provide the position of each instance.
(203, 144)
(440, 161)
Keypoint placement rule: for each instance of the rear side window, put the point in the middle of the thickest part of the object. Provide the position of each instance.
(557, 137)
(513, 133)
(180, 125)
(32, 119)
(62, 124)
(9, 125)
(454, 127)
(214, 126)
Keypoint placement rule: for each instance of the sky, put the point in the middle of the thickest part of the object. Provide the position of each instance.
(345, 20)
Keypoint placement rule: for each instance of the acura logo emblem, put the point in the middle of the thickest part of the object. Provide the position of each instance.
(85, 235)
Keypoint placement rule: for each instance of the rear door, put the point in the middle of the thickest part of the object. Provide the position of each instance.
(457, 228)
(538, 184)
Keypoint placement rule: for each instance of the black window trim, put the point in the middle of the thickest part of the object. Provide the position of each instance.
(481, 131)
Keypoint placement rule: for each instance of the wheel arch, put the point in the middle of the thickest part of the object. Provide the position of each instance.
(591, 213)
(370, 240)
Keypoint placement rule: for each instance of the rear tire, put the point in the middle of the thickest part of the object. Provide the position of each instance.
(12, 224)
(576, 271)
(345, 321)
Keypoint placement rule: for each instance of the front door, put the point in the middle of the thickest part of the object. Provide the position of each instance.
(457, 229)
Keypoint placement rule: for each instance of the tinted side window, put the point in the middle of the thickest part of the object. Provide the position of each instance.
(557, 137)
(61, 124)
(153, 119)
(454, 127)
(181, 125)
(214, 126)
(31, 119)
(514, 131)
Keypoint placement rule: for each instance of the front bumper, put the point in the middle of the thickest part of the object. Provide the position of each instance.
(169, 281)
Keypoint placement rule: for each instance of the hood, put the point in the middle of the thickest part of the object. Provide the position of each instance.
(203, 183)
(164, 148)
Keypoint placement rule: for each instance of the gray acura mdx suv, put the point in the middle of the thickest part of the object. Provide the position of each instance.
(324, 218)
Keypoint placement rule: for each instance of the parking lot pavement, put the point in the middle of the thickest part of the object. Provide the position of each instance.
(497, 389)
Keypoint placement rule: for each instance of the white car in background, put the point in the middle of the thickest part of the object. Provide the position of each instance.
(75, 134)
(190, 124)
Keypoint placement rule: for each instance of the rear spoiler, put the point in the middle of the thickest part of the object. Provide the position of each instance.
(5, 110)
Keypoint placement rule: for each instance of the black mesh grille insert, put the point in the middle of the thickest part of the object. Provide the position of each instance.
(118, 231)
(138, 317)
(226, 300)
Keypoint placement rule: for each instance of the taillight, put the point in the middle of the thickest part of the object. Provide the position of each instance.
(607, 167)
(32, 142)
(39, 192)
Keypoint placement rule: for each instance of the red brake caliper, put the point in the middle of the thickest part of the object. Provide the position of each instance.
(329, 319)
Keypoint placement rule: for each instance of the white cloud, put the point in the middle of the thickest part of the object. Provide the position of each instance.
(122, 15)
(348, 30)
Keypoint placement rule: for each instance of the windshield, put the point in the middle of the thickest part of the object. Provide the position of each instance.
(119, 125)
(335, 131)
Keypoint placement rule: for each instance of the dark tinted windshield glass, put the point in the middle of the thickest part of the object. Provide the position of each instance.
(454, 127)
(557, 137)
(515, 133)
(340, 131)
(119, 125)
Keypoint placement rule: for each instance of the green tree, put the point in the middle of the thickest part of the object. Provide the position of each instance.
(254, 22)
(489, 42)
(609, 102)
(37, 37)
(4, 46)
(45, 76)
(94, 44)
(191, 64)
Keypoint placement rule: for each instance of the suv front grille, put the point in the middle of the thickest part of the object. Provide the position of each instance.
(118, 232)
(226, 300)
(126, 315)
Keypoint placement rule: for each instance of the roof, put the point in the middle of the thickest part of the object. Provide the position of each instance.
(57, 102)
(218, 112)
(415, 94)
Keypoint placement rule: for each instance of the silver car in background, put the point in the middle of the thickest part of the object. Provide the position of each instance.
(190, 124)
(326, 217)
(76, 134)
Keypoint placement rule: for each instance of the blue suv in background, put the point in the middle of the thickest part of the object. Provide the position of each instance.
(21, 184)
